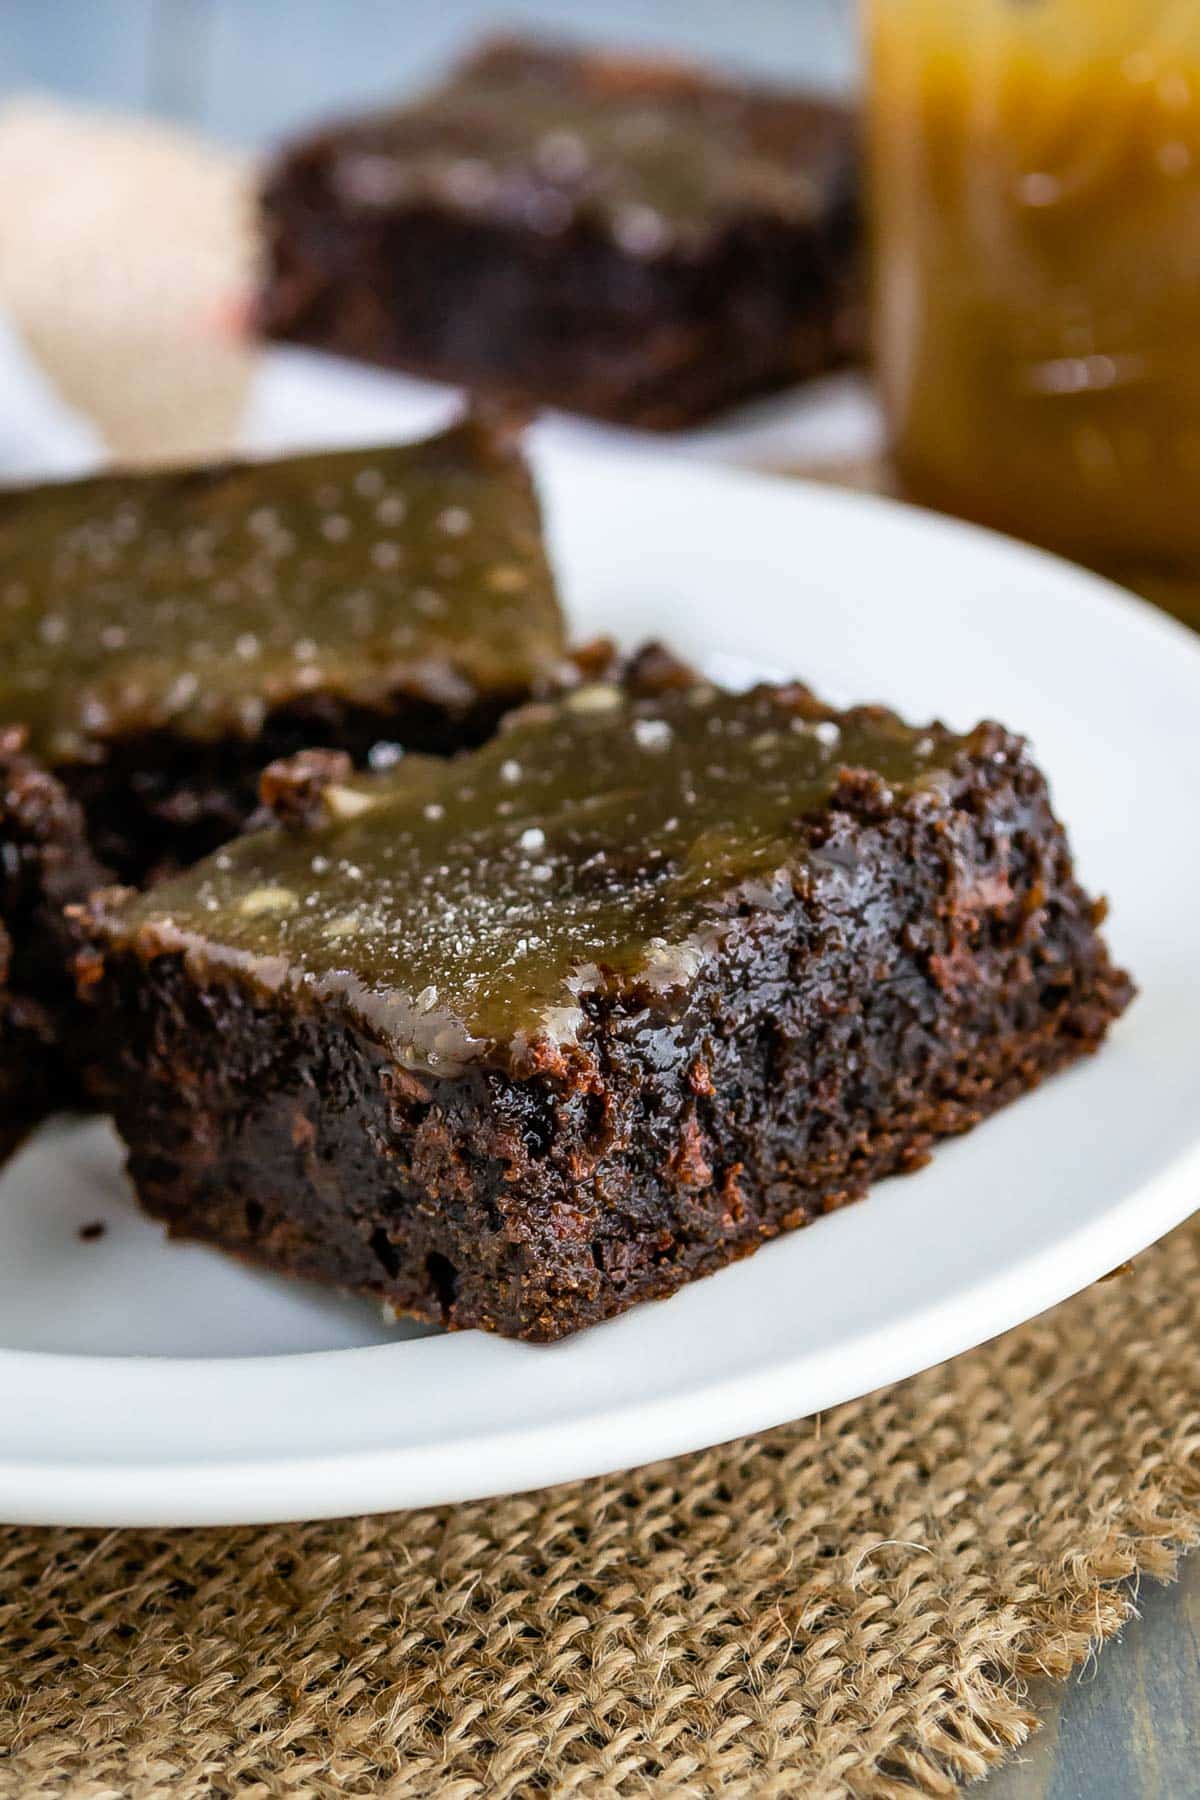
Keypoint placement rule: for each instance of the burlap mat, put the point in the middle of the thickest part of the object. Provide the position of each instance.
(849, 1606)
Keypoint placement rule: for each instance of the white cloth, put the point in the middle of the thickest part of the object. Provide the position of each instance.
(39, 434)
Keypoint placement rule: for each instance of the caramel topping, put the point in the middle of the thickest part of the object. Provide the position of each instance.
(469, 908)
(198, 600)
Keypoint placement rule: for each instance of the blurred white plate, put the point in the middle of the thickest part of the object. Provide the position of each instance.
(144, 1382)
(301, 397)
(41, 437)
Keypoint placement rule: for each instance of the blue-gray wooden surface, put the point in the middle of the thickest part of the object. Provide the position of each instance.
(1127, 1728)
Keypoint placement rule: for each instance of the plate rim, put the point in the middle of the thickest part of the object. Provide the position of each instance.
(366, 1481)
(128, 1493)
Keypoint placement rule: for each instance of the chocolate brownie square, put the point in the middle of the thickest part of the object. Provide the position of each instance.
(165, 635)
(519, 1039)
(612, 235)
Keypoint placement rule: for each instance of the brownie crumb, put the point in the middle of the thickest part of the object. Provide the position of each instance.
(292, 789)
(94, 1229)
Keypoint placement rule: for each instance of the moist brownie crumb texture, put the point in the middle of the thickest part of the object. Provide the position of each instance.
(611, 235)
(45, 864)
(520, 1039)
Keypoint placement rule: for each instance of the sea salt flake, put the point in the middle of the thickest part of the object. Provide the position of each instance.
(470, 181)
(641, 231)
(651, 734)
(562, 155)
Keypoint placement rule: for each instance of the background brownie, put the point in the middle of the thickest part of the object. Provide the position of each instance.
(615, 236)
(520, 1039)
(164, 635)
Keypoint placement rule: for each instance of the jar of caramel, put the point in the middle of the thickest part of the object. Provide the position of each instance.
(1035, 182)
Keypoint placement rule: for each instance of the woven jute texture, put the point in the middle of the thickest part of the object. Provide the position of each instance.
(849, 1606)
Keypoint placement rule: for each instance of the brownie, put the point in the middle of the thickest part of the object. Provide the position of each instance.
(163, 636)
(616, 236)
(517, 1040)
(45, 864)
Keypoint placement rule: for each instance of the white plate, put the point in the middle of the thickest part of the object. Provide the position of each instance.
(143, 1382)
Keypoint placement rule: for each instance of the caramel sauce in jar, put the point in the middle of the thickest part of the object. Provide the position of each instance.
(1035, 181)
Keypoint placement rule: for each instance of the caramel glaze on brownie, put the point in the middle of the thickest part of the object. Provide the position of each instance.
(778, 952)
(163, 636)
(614, 235)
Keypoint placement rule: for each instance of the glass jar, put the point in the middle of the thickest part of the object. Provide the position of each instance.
(1035, 181)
